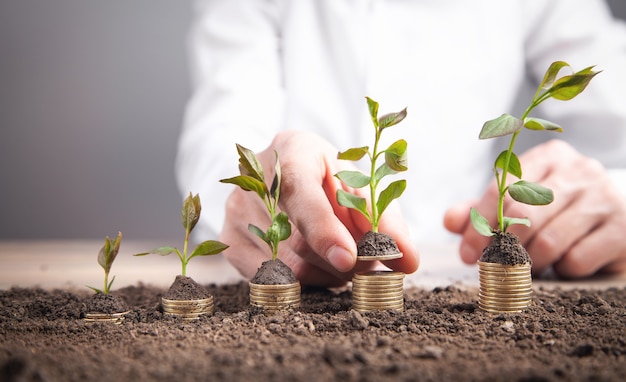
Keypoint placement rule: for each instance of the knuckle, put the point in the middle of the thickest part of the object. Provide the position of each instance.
(590, 166)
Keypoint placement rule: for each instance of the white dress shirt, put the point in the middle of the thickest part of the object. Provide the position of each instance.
(263, 66)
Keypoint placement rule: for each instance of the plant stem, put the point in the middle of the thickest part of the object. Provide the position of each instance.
(373, 183)
(183, 258)
(106, 283)
(502, 186)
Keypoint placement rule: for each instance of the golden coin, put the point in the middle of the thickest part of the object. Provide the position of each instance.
(380, 257)
(380, 274)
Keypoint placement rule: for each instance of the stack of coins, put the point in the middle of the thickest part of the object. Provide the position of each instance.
(378, 290)
(275, 298)
(116, 318)
(188, 309)
(504, 288)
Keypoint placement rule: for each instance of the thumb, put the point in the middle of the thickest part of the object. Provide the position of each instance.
(456, 218)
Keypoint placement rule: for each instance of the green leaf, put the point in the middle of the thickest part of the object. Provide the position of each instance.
(354, 179)
(382, 171)
(161, 251)
(480, 223)
(507, 221)
(208, 248)
(349, 200)
(391, 119)
(551, 73)
(95, 289)
(257, 231)
(514, 167)
(280, 229)
(248, 183)
(541, 124)
(104, 253)
(503, 125)
(531, 193)
(275, 188)
(395, 156)
(568, 87)
(373, 109)
(109, 285)
(191, 212)
(109, 252)
(353, 154)
(250, 164)
(393, 191)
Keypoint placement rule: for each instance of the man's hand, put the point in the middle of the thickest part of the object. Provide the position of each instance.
(321, 250)
(580, 233)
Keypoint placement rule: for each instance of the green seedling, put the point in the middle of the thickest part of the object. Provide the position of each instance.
(560, 88)
(395, 161)
(106, 256)
(190, 215)
(252, 178)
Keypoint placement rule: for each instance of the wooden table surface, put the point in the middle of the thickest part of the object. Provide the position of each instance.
(73, 264)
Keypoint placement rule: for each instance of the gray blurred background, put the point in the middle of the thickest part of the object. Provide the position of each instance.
(92, 96)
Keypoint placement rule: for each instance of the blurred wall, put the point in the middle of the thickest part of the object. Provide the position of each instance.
(91, 101)
(92, 94)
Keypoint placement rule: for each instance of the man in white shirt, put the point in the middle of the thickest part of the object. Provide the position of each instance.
(293, 75)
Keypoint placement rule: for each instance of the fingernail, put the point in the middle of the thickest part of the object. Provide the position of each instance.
(341, 259)
(469, 254)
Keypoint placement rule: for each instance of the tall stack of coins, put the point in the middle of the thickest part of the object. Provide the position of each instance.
(115, 318)
(378, 290)
(504, 288)
(188, 309)
(275, 298)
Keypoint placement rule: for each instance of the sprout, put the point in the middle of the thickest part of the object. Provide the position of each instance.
(395, 161)
(563, 88)
(106, 256)
(190, 215)
(252, 178)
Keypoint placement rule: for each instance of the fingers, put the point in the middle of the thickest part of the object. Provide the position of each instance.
(307, 173)
(245, 250)
(456, 220)
(575, 233)
(393, 224)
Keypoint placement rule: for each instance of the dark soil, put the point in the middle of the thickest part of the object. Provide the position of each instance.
(505, 248)
(185, 288)
(106, 303)
(376, 244)
(577, 335)
(274, 272)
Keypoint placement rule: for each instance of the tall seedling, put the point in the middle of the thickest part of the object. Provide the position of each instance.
(395, 161)
(560, 88)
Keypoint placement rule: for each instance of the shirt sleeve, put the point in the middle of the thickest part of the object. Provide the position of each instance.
(237, 98)
(583, 33)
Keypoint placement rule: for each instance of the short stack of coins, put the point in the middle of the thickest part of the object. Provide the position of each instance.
(378, 290)
(504, 288)
(275, 298)
(188, 309)
(115, 318)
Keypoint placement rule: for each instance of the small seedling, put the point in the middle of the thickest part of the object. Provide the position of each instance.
(190, 215)
(106, 256)
(563, 88)
(252, 178)
(395, 161)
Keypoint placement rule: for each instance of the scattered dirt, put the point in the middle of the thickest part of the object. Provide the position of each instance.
(376, 244)
(505, 248)
(441, 336)
(186, 288)
(274, 272)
